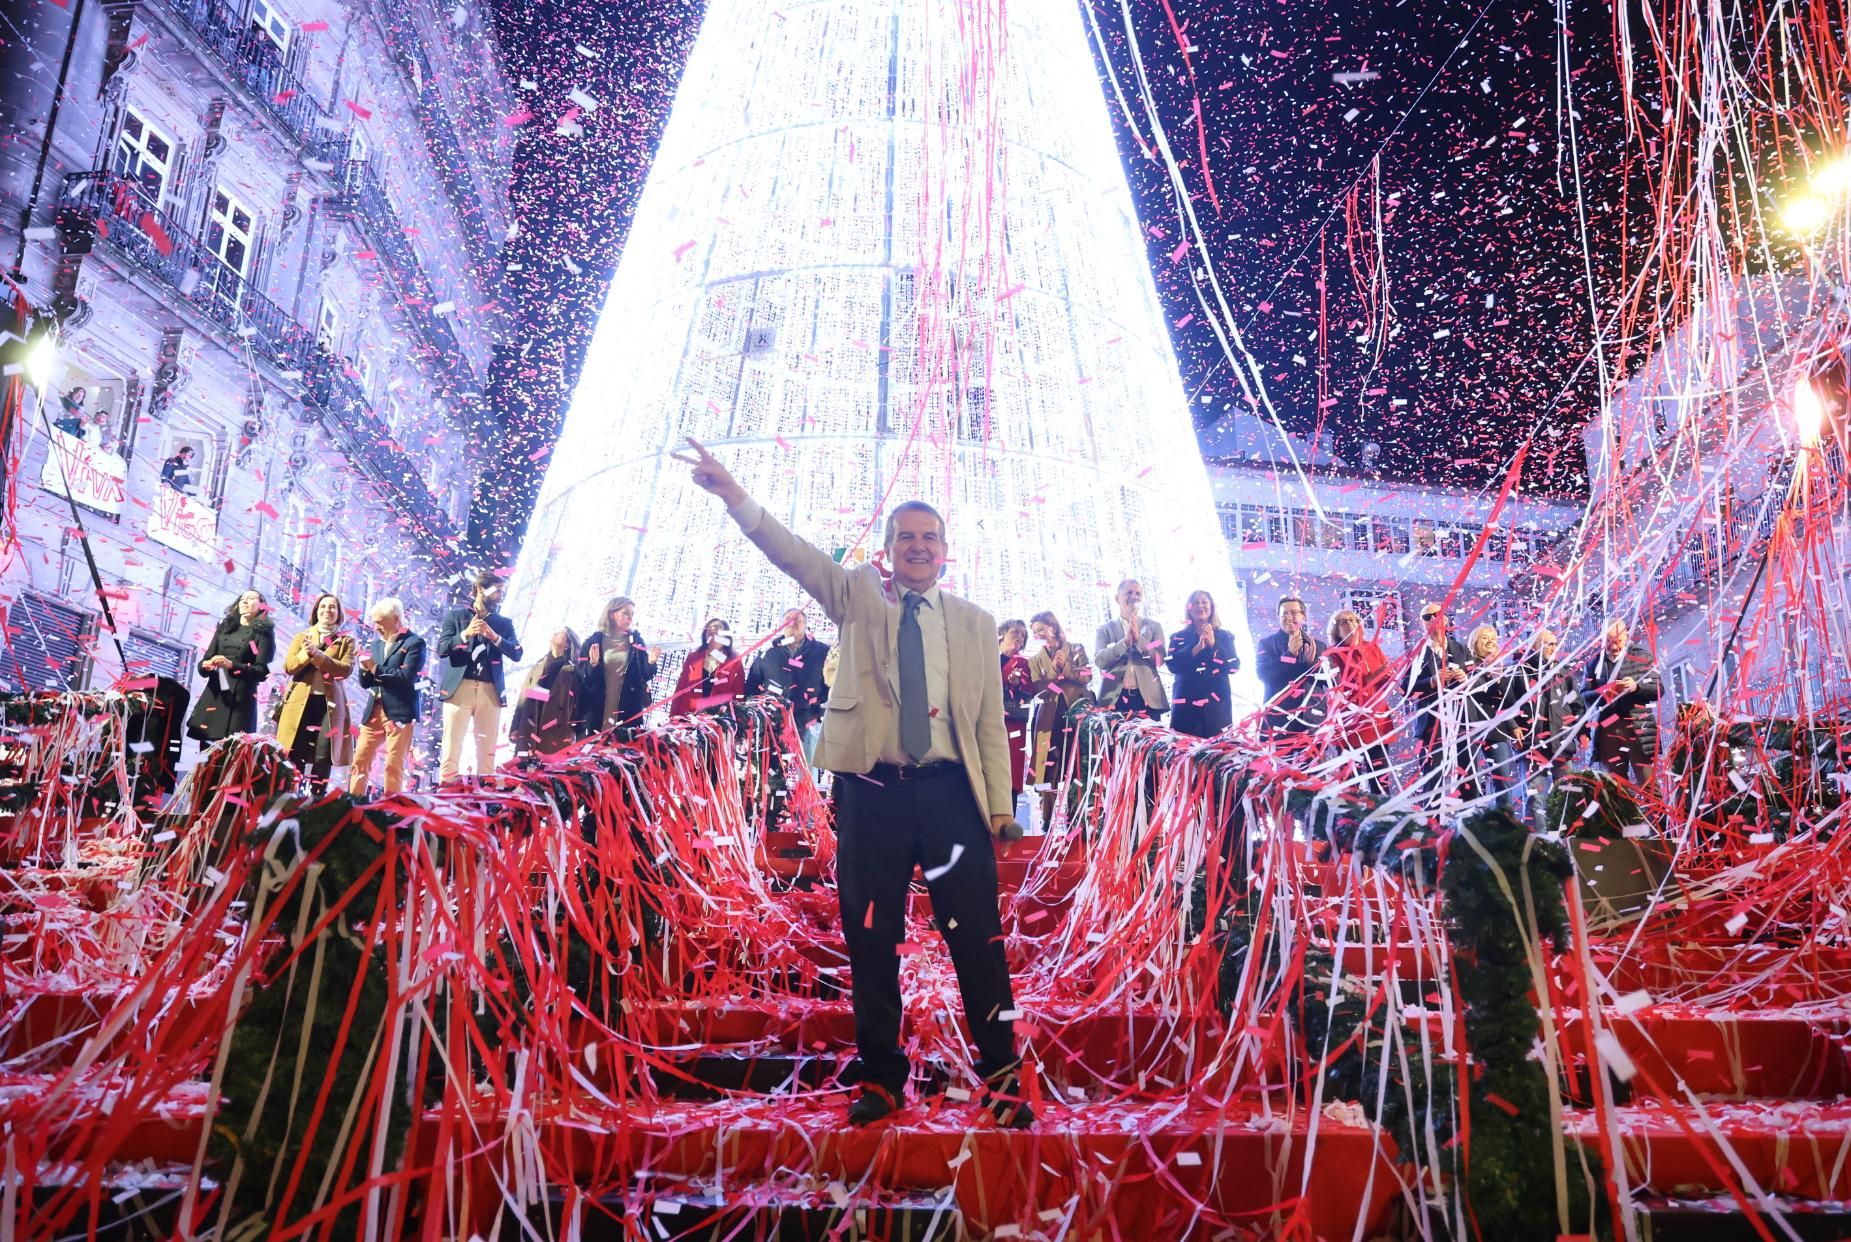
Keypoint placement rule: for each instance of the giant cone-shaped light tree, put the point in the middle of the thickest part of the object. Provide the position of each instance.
(887, 250)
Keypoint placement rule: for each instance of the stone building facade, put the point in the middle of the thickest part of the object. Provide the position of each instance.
(268, 231)
(1379, 547)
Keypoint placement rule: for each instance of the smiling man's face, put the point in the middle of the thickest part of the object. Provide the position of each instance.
(916, 550)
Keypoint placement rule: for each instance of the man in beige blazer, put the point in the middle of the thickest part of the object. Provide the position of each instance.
(913, 729)
(1128, 652)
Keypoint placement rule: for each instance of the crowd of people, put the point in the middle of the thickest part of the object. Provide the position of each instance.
(1488, 721)
(1485, 721)
(931, 745)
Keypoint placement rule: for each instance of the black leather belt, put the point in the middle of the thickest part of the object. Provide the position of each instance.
(894, 773)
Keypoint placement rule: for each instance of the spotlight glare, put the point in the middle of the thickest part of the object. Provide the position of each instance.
(1806, 216)
(1808, 412)
(1832, 180)
(40, 358)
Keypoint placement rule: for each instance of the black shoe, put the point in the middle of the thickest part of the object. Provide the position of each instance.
(1003, 1097)
(871, 1105)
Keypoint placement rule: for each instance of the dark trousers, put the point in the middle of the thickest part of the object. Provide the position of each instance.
(886, 829)
(1131, 702)
(1623, 752)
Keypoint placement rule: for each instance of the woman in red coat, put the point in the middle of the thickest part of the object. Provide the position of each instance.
(1359, 699)
(712, 676)
(1018, 696)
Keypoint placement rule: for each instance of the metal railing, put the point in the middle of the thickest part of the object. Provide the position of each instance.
(254, 61)
(360, 195)
(100, 206)
(250, 57)
(109, 208)
(368, 441)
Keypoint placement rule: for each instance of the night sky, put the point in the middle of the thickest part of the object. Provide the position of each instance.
(1372, 178)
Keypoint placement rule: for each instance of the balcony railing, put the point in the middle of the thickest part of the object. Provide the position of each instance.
(397, 24)
(360, 195)
(103, 206)
(250, 57)
(331, 389)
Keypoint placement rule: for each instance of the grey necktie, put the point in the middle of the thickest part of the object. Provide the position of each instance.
(915, 711)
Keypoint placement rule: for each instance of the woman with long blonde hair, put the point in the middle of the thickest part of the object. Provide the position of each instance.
(615, 669)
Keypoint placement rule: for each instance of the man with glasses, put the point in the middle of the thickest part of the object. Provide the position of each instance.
(1439, 664)
(1287, 661)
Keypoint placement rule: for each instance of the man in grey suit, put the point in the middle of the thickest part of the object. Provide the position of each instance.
(1128, 653)
(914, 732)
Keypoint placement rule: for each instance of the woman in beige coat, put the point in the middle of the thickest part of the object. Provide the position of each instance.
(314, 726)
(1063, 677)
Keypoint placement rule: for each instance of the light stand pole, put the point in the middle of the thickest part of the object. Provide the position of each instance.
(40, 357)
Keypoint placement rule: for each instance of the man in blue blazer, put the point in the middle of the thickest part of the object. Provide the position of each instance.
(473, 644)
(389, 668)
(1287, 661)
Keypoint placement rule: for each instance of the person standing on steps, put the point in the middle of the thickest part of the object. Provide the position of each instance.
(1128, 652)
(914, 732)
(473, 644)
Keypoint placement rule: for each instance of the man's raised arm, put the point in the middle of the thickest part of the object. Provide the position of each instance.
(813, 570)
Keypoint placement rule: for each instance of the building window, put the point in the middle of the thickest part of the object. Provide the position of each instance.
(1360, 537)
(266, 21)
(291, 580)
(145, 156)
(1279, 527)
(47, 644)
(363, 365)
(228, 236)
(1330, 534)
(1252, 525)
(292, 557)
(186, 462)
(151, 655)
(1426, 539)
(395, 413)
(328, 327)
(1230, 523)
(1380, 610)
(974, 415)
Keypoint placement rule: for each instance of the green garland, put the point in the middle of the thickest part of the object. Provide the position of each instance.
(290, 1026)
(1510, 1177)
(1591, 804)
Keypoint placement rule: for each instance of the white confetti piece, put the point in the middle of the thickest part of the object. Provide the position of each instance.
(957, 852)
(1188, 1159)
(1614, 1056)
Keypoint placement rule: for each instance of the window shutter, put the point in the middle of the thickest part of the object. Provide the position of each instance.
(46, 644)
(150, 655)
